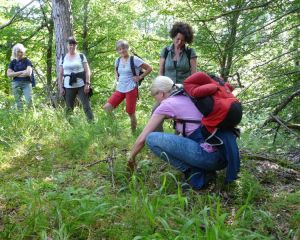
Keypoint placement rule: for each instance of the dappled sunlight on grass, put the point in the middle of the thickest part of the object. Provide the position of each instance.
(56, 180)
(5, 166)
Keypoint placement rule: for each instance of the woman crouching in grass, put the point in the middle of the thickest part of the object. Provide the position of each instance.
(191, 154)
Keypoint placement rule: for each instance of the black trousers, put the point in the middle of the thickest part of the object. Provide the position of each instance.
(70, 96)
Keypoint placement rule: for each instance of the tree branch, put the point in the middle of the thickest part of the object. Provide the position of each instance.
(209, 32)
(278, 56)
(270, 95)
(35, 32)
(15, 15)
(98, 41)
(269, 23)
(264, 26)
(234, 10)
(270, 76)
(281, 106)
(280, 122)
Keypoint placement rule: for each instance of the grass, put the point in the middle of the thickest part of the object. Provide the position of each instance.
(49, 191)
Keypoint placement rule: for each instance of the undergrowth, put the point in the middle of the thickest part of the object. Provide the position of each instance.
(54, 186)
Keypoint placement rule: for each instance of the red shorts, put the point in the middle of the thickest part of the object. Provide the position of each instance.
(131, 99)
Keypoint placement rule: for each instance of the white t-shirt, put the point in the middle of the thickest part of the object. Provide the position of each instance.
(126, 82)
(73, 65)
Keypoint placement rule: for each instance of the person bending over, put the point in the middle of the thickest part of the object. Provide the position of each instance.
(190, 155)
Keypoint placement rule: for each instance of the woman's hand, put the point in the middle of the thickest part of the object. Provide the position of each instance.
(131, 165)
(137, 78)
(62, 91)
(153, 123)
(86, 88)
(116, 82)
(11, 73)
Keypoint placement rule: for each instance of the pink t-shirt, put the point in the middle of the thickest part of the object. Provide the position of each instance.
(180, 107)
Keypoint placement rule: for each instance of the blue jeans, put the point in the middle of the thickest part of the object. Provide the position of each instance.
(186, 155)
(19, 88)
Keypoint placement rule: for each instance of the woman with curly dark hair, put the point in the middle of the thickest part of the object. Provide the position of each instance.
(178, 61)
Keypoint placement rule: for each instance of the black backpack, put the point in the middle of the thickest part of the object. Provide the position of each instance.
(63, 58)
(186, 49)
(131, 59)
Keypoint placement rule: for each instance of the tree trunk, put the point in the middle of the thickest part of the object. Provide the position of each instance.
(9, 46)
(49, 55)
(85, 45)
(63, 27)
(230, 44)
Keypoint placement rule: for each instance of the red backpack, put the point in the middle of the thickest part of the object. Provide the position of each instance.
(214, 99)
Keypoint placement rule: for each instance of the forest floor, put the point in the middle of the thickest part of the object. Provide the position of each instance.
(69, 181)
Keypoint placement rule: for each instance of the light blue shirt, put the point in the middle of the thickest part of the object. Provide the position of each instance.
(125, 81)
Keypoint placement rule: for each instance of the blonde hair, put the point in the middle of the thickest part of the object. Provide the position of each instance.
(163, 84)
(15, 49)
(122, 44)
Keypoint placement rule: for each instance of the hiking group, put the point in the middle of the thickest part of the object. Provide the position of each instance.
(204, 110)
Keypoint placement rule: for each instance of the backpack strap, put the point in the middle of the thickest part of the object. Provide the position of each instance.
(184, 122)
(62, 58)
(188, 54)
(179, 91)
(131, 59)
(14, 63)
(166, 52)
(216, 78)
(81, 57)
(132, 65)
(186, 49)
(117, 66)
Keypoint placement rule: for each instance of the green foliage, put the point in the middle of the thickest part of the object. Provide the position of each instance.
(48, 189)
(52, 185)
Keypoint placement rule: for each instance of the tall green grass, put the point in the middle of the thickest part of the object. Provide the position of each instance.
(49, 190)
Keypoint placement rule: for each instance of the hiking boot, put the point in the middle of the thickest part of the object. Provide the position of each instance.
(198, 180)
(195, 178)
(210, 177)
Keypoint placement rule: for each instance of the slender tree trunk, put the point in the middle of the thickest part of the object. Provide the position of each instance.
(85, 43)
(296, 45)
(7, 56)
(226, 63)
(63, 27)
(49, 55)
